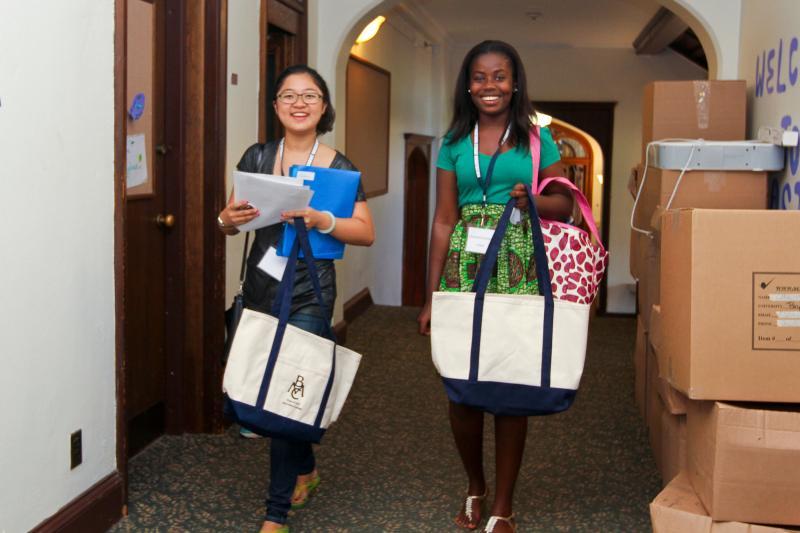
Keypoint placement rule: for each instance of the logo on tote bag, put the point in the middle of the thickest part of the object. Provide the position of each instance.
(296, 389)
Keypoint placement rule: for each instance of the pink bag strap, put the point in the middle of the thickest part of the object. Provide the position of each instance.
(535, 155)
(583, 204)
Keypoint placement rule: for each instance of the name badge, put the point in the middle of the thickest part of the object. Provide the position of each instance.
(478, 239)
(272, 264)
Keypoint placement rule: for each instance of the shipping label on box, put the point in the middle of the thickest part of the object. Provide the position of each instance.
(776, 311)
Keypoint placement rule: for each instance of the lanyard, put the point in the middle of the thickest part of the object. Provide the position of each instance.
(484, 184)
(310, 156)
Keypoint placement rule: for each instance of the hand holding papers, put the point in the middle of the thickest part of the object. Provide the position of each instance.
(270, 195)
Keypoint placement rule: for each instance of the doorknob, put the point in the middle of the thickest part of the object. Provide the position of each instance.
(162, 149)
(165, 221)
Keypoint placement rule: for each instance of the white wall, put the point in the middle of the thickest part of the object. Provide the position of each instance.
(413, 110)
(242, 110)
(769, 61)
(57, 370)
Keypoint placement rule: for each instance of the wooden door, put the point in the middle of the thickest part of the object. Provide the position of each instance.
(147, 226)
(284, 28)
(280, 54)
(415, 227)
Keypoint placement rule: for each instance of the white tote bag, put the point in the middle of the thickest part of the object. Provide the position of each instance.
(510, 354)
(280, 380)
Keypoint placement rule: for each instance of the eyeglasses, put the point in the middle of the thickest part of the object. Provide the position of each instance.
(290, 98)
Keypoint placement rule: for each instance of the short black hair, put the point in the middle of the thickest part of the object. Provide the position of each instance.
(465, 114)
(325, 123)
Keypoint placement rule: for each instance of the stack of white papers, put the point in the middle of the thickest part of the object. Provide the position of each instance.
(271, 195)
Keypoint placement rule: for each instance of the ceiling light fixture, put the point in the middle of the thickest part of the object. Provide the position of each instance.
(534, 15)
(370, 30)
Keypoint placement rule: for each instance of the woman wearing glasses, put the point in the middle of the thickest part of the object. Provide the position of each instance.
(303, 107)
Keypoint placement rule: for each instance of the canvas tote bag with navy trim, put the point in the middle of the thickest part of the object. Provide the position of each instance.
(510, 354)
(280, 380)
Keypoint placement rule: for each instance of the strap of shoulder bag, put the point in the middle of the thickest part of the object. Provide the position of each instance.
(542, 274)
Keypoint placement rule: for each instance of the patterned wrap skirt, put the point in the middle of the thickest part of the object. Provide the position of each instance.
(515, 270)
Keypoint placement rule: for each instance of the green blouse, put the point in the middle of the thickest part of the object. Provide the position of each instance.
(512, 167)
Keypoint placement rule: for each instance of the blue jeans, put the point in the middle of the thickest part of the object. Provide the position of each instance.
(289, 458)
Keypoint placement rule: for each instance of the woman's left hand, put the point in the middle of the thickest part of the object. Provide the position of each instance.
(521, 195)
(312, 217)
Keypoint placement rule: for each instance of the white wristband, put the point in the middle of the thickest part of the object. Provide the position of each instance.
(332, 226)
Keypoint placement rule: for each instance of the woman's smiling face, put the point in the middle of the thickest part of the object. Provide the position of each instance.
(299, 117)
(491, 83)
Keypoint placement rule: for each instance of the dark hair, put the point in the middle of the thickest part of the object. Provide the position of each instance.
(325, 123)
(465, 114)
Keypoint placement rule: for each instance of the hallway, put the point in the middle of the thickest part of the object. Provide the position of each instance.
(389, 464)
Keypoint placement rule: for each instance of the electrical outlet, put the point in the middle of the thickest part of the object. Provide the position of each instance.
(75, 449)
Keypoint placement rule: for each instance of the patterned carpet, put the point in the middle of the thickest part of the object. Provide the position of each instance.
(389, 463)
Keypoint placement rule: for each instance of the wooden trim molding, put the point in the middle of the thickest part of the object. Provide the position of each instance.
(357, 305)
(340, 330)
(262, 72)
(353, 308)
(216, 69)
(97, 509)
(120, 132)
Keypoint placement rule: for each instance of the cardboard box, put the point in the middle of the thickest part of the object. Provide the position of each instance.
(655, 330)
(649, 288)
(701, 189)
(640, 368)
(634, 179)
(673, 445)
(677, 509)
(655, 409)
(674, 400)
(744, 461)
(731, 284)
(702, 109)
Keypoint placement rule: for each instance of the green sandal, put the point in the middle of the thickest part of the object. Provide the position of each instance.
(310, 488)
(283, 529)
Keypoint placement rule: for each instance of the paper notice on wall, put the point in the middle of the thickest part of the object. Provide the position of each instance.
(776, 311)
(136, 157)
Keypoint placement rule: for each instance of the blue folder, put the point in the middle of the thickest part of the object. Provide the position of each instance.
(335, 191)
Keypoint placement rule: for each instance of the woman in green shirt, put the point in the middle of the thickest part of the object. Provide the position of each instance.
(491, 120)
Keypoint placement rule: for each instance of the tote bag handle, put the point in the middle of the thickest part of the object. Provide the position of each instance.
(542, 274)
(281, 307)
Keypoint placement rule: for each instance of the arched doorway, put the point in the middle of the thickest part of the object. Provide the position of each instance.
(415, 227)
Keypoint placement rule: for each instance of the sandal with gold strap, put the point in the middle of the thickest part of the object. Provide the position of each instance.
(310, 487)
(469, 507)
(494, 519)
(283, 529)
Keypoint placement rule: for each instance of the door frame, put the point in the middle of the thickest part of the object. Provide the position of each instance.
(195, 101)
(414, 141)
(290, 16)
(607, 145)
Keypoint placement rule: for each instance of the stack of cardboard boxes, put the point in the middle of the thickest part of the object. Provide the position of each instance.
(718, 302)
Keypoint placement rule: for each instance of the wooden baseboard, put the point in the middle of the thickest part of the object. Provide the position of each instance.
(340, 330)
(355, 306)
(97, 509)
